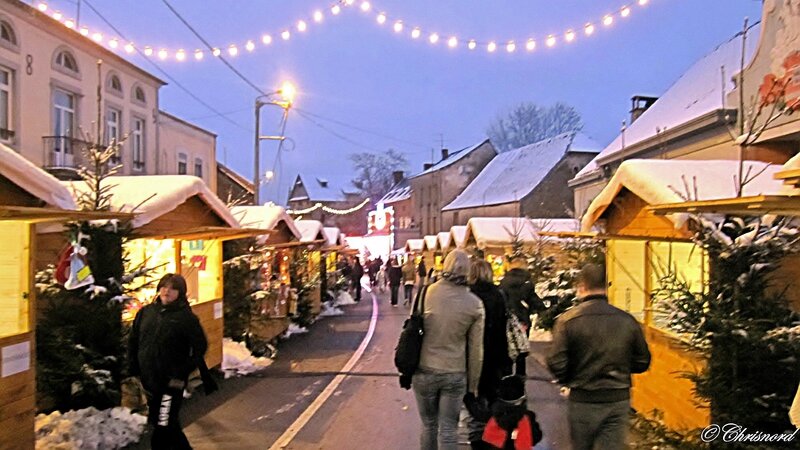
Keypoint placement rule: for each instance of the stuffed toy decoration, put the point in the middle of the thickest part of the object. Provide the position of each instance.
(73, 268)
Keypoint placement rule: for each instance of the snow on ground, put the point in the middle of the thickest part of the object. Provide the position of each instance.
(328, 310)
(89, 429)
(237, 359)
(344, 298)
(294, 329)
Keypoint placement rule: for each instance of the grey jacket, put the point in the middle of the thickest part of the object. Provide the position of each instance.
(453, 323)
(596, 348)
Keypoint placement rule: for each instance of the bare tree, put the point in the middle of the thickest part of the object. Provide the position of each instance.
(374, 171)
(528, 122)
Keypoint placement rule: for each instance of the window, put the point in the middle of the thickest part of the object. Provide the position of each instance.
(138, 95)
(67, 62)
(63, 128)
(113, 120)
(182, 164)
(8, 37)
(114, 84)
(198, 167)
(137, 144)
(6, 104)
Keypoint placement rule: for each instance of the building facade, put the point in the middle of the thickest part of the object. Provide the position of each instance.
(316, 198)
(187, 149)
(400, 199)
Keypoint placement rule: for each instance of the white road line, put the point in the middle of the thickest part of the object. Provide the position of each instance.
(290, 433)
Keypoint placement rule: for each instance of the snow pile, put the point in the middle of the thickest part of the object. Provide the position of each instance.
(344, 298)
(328, 310)
(89, 429)
(294, 329)
(237, 359)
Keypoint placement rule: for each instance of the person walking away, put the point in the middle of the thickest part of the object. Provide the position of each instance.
(496, 363)
(395, 278)
(422, 273)
(451, 355)
(355, 279)
(596, 348)
(521, 300)
(381, 279)
(409, 277)
(165, 345)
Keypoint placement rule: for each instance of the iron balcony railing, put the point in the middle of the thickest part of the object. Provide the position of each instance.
(64, 152)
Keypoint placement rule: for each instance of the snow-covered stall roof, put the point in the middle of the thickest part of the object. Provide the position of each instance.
(321, 189)
(34, 180)
(334, 236)
(451, 159)
(659, 181)
(501, 231)
(457, 235)
(266, 217)
(696, 93)
(430, 243)
(512, 175)
(415, 245)
(310, 230)
(443, 239)
(153, 196)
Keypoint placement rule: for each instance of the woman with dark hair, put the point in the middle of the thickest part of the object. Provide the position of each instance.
(166, 344)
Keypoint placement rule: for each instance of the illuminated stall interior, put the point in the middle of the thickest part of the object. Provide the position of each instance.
(442, 247)
(430, 250)
(334, 244)
(413, 249)
(642, 247)
(313, 236)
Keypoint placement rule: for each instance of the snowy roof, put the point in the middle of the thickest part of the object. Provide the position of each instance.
(153, 196)
(310, 230)
(333, 236)
(320, 189)
(452, 158)
(398, 192)
(430, 243)
(697, 92)
(415, 245)
(457, 235)
(444, 240)
(266, 217)
(658, 181)
(34, 180)
(501, 231)
(512, 175)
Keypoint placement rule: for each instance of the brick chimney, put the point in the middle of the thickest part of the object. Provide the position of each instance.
(397, 176)
(445, 153)
(427, 166)
(640, 104)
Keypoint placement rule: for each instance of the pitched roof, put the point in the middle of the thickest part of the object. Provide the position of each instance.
(457, 235)
(512, 175)
(696, 93)
(430, 242)
(265, 217)
(398, 192)
(658, 181)
(334, 236)
(310, 230)
(153, 196)
(415, 245)
(452, 158)
(501, 231)
(236, 177)
(444, 240)
(320, 189)
(34, 180)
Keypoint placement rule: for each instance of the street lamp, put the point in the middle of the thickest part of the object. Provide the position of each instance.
(287, 93)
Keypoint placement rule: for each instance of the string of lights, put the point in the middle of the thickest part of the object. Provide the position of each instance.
(338, 212)
(398, 25)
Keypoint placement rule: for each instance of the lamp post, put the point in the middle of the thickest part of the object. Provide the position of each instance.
(287, 93)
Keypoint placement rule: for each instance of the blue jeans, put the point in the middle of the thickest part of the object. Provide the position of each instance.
(439, 397)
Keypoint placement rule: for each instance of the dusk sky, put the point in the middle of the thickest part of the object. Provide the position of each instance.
(364, 87)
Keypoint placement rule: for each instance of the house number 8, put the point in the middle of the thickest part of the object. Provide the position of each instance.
(29, 66)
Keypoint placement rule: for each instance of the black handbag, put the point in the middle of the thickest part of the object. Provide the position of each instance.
(409, 346)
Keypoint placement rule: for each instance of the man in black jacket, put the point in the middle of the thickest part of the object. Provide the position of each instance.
(166, 344)
(395, 275)
(521, 300)
(596, 348)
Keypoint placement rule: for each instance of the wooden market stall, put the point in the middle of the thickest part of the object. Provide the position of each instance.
(179, 227)
(641, 247)
(457, 235)
(278, 244)
(430, 250)
(443, 247)
(313, 235)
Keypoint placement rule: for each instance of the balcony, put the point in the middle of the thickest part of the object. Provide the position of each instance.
(64, 152)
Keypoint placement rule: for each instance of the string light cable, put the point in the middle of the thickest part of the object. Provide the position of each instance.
(526, 44)
(339, 212)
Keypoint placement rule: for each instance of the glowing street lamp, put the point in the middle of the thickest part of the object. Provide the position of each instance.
(287, 93)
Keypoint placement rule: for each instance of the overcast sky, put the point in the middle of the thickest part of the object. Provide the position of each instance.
(363, 87)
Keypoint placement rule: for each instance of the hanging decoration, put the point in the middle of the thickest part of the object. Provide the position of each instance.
(338, 212)
(72, 268)
(399, 26)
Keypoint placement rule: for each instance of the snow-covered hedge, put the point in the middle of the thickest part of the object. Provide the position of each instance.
(89, 429)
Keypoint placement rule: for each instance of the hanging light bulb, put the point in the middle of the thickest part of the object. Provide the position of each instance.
(216, 52)
(381, 18)
(84, 31)
(302, 26)
(398, 26)
(569, 36)
(365, 6)
(530, 45)
(180, 55)
(608, 20)
(198, 55)
(97, 37)
(129, 48)
(551, 41)
(335, 10)
(162, 54)
(42, 7)
(472, 44)
(625, 11)
(318, 16)
(69, 23)
(433, 38)
(113, 43)
(491, 47)
(349, 2)
(588, 29)
(642, 2)
(452, 42)
(58, 16)
(511, 46)
(266, 39)
(148, 51)
(233, 50)
(286, 35)
(250, 46)
(415, 33)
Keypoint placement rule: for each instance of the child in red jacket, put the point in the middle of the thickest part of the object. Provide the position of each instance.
(512, 425)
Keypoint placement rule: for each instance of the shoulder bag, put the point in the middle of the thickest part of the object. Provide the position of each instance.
(409, 346)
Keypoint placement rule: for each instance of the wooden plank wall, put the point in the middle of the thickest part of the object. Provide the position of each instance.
(212, 328)
(18, 401)
(628, 215)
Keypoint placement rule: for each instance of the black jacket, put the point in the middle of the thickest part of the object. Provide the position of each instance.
(496, 362)
(166, 342)
(395, 275)
(357, 273)
(521, 298)
(596, 348)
